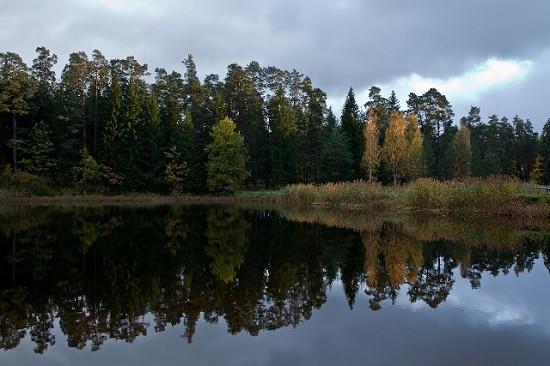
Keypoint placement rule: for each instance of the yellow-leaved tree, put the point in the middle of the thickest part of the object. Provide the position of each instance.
(415, 149)
(371, 154)
(395, 149)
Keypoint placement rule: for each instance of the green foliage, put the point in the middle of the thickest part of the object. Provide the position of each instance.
(288, 133)
(175, 171)
(461, 153)
(537, 175)
(38, 152)
(23, 183)
(226, 158)
(351, 126)
(88, 174)
(336, 158)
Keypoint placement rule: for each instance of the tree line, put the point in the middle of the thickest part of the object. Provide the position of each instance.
(109, 125)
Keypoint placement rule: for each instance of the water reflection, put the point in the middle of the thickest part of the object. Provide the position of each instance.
(119, 273)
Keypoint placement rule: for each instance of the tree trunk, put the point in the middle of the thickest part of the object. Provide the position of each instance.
(95, 124)
(14, 122)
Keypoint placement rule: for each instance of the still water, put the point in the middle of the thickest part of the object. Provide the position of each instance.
(240, 286)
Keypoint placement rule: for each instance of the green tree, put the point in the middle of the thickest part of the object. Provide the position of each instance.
(16, 88)
(351, 126)
(99, 80)
(336, 158)
(39, 152)
(175, 170)
(545, 150)
(537, 175)
(226, 158)
(88, 174)
(435, 117)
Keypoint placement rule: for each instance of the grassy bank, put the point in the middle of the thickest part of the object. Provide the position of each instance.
(496, 196)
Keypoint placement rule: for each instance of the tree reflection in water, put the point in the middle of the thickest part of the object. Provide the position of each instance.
(98, 272)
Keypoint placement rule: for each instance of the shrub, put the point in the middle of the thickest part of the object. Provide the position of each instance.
(24, 184)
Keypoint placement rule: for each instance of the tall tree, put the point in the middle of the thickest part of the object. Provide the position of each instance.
(99, 80)
(461, 153)
(351, 126)
(16, 88)
(245, 107)
(75, 83)
(545, 151)
(283, 140)
(394, 151)
(336, 158)
(415, 149)
(371, 154)
(435, 117)
(38, 151)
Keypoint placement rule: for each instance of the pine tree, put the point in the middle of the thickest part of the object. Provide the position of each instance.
(226, 158)
(16, 88)
(371, 155)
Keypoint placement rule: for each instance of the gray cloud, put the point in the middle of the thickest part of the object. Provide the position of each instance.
(339, 44)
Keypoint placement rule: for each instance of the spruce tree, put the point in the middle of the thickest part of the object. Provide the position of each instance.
(351, 126)
(336, 158)
(39, 152)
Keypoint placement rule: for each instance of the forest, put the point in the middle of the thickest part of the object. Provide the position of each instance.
(112, 126)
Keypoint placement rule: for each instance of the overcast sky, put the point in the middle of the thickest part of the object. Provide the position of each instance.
(490, 53)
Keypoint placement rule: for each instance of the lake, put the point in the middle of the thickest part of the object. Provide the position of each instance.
(224, 285)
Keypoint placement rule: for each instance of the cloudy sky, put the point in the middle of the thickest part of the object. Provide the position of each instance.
(490, 53)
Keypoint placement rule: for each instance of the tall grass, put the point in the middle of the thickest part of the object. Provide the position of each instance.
(494, 195)
(334, 194)
(475, 194)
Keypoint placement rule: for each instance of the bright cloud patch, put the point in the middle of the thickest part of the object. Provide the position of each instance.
(491, 74)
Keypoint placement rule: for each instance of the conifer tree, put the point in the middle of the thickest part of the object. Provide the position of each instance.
(38, 151)
(16, 88)
(175, 170)
(336, 158)
(351, 126)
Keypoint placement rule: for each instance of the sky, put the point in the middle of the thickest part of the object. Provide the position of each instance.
(494, 54)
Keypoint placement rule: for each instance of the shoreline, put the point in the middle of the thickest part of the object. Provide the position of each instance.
(275, 199)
